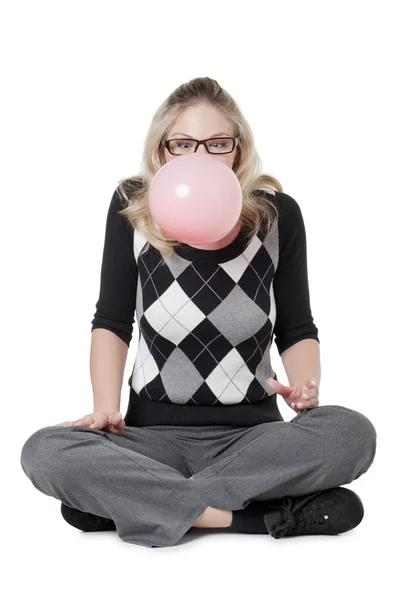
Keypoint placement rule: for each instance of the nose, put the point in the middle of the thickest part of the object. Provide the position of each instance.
(202, 149)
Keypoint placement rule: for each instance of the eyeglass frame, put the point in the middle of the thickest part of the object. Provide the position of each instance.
(198, 142)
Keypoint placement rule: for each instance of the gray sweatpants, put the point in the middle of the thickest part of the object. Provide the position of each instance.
(155, 481)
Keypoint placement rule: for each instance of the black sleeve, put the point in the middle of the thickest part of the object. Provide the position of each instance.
(294, 321)
(115, 307)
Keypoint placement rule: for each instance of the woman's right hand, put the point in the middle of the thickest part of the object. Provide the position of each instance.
(112, 422)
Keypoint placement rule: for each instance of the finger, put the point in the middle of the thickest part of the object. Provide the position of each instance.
(118, 426)
(309, 389)
(116, 430)
(307, 395)
(302, 404)
(310, 384)
(283, 390)
(308, 392)
(114, 423)
(87, 419)
(304, 398)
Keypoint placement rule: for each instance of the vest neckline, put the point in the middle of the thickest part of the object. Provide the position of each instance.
(229, 252)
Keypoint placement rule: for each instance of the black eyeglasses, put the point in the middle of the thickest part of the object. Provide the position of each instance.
(220, 145)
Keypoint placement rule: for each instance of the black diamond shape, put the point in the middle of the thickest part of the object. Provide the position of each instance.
(191, 402)
(206, 285)
(155, 278)
(204, 395)
(219, 403)
(159, 347)
(154, 390)
(252, 349)
(255, 391)
(257, 287)
(205, 346)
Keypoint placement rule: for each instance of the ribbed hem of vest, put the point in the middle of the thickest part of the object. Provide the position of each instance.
(142, 412)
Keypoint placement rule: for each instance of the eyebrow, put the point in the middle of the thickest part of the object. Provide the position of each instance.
(211, 136)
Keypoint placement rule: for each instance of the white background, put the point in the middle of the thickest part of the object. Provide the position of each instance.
(317, 82)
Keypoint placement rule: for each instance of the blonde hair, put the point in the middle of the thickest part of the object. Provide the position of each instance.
(257, 208)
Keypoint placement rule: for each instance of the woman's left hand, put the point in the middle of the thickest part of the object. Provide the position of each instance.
(297, 397)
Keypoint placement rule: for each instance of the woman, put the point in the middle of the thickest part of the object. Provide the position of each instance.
(203, 443)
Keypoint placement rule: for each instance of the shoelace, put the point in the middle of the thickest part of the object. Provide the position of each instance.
(294, 515)
(307, 518)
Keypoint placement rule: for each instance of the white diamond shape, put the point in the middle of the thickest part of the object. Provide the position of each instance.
(235, 268)
(231, 363)
(252, 248)
(145, 368)
(156, 315)
(231, 395)
(217, 381)
(173, 298)
(237, 370)
(174, 315)
(243, 379)
(272, 308)
(189, 316)
(174, 332)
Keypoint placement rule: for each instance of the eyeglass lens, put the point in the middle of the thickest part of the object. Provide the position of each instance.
(187, 146)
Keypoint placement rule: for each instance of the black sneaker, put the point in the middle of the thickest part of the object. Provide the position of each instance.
(328, 512)
(86, 521)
